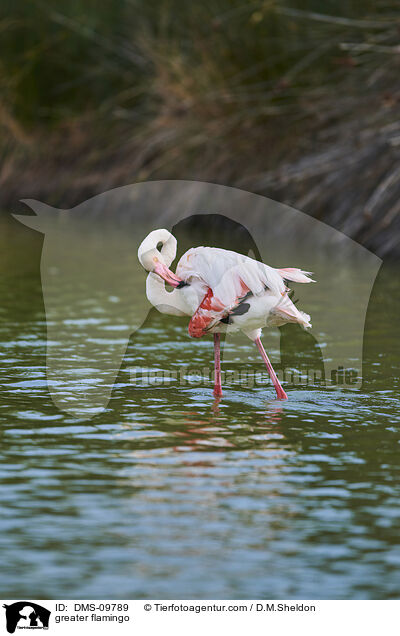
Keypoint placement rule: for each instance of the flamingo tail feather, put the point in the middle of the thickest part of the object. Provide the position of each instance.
(296, 275)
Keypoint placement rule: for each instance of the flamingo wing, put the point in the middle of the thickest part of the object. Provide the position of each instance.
(228, 273)
(227, 279)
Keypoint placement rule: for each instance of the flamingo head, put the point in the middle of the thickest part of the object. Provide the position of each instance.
(156, 253)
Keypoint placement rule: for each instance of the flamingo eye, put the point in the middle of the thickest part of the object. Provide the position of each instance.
(160, 245)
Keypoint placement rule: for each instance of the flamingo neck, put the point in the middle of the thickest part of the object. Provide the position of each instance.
(167, 302)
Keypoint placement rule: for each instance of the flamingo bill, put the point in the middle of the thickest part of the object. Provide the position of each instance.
(166, 274)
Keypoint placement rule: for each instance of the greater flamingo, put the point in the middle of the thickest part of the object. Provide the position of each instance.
(222, 291)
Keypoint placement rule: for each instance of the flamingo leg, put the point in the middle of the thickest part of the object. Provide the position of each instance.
(217, 365)
(280, 393)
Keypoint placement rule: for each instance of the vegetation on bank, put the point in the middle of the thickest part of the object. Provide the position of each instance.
(297, 99)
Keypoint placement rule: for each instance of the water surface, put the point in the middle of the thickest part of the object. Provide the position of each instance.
(169, 494)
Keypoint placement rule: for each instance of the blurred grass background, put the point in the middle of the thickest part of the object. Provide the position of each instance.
(295, 99)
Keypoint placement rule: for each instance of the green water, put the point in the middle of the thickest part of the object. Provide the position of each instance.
(168, 494)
